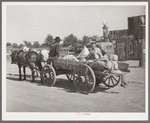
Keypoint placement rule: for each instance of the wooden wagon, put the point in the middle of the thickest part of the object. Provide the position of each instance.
(83, 76)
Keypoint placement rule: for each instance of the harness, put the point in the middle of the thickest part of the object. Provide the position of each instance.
(26, 56)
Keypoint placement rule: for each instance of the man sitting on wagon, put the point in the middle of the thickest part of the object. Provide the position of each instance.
(95, 52)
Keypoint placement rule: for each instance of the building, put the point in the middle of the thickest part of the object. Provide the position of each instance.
(127, 41)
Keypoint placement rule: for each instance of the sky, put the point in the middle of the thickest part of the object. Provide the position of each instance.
(34, 23)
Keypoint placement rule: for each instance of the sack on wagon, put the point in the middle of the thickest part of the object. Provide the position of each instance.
(84, 53)
(103, 64)
(70, 57)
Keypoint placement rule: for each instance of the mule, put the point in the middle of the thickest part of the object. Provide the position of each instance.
(26, 49)
(25, 59)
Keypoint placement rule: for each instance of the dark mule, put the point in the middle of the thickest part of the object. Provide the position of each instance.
(26, 59)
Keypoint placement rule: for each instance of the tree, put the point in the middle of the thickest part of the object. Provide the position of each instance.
(80, 41)
(93, 38)
(96, 38)
(70, 40)
(14, 45)
(36, 44)
(21, 46)
(28, 43)
(85, 39)
(8, 44)
(49, 40)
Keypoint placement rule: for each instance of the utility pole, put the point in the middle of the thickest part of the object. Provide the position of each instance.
(142, 42)
(105, 32)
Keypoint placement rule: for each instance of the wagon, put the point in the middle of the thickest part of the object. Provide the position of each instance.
(83, 76)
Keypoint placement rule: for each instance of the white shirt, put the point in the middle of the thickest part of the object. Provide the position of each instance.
(84, 53)
(96, 51)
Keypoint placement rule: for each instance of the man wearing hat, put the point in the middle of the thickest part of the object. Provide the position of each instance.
(95, 51)
(54, 51)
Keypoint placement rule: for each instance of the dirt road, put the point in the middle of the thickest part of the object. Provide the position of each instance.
(24, 96)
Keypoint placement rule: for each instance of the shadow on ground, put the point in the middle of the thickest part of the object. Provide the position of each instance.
(15, 77)
(68, 86)
(61, 84)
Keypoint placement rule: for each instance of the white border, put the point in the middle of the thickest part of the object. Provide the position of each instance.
(70, 116)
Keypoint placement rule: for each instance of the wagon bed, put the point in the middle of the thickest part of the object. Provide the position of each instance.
(83, 76)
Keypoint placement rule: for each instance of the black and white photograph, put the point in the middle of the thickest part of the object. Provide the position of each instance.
(74, 61)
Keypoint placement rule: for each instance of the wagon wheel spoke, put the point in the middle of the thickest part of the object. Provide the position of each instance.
(89, 81)
(86, 88)
(89, 85)
(82, 88)
(108, 80)
(70, 77)
(112, 81)
(105, 80)
(114, 78)
(80, 84)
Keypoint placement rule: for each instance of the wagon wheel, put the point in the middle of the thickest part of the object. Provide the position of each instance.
(69, 76)
(111, 80)
(84, 79)
(48, 75)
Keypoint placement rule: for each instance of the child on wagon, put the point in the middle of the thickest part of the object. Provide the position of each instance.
(115, 70)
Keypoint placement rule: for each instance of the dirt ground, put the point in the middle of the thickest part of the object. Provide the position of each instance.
(25, 96)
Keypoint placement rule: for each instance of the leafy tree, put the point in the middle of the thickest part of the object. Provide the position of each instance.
(80, 41)
(96, 38)
(14, 45)
(36, 44)
(28, 43)
(85, 39)
(8, 44)
(93, 38)
(49, 40)
(70, 40)
(21, 46)
(43, 45)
